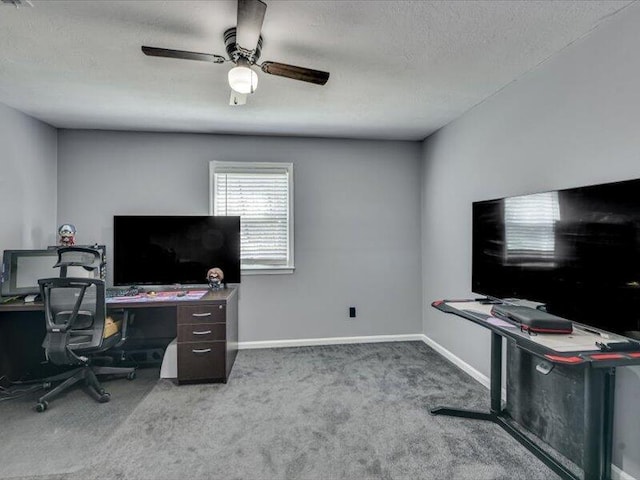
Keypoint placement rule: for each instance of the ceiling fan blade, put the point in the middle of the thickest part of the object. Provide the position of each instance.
(165, 52)
(297, 73)
(250, 18)
(237, 98)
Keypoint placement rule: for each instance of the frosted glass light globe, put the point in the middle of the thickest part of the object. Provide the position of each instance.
(243, 80)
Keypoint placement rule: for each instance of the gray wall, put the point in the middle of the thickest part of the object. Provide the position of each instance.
(573, 121)
(357, 210)
(28, 181)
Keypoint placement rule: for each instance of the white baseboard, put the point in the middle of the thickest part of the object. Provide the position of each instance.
(458, 362)
(617, 474)
(306, 342)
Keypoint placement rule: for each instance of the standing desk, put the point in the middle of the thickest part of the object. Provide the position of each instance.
(207, 328)
(577, 350)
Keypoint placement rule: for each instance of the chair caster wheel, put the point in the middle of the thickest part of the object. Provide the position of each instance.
(104, 397)
(41, 406)
(101, 391)
(131, 376)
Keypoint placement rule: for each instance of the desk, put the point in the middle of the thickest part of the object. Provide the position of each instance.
(577, 350)
(207, 329)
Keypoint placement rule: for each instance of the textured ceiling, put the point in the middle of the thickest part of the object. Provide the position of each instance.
(399, 69)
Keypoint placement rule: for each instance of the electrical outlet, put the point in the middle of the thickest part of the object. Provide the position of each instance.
(352, 312)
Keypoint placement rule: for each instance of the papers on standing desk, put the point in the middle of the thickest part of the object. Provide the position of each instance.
(476, 307)
(573, 342)
(497, 322)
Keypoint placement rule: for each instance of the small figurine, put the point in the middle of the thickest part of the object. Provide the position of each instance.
(215, 277)
(67, 233)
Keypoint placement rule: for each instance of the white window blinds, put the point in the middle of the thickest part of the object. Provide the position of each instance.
(261, 194)
(530, 226)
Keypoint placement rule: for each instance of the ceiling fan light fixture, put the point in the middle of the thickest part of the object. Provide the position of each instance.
(243, 79)
(243, 44)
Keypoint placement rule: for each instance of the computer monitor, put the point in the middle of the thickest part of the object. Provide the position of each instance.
(21, 270)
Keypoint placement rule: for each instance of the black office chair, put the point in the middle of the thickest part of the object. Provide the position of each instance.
(77, 325)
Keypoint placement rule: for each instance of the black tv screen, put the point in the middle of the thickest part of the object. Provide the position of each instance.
(575, 250)
(168, 250)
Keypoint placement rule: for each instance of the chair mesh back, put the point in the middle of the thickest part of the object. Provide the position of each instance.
(63, 301)
(66, 332)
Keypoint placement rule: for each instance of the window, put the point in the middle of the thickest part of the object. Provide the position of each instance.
(262, 195)
(530, 228)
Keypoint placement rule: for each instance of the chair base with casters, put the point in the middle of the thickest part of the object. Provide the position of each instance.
(86, 371)
(88, 375)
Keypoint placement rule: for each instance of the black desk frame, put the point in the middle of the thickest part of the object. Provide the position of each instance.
(599, 376)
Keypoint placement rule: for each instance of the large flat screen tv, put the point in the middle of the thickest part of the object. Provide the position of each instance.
(575, 250)
(168, 250)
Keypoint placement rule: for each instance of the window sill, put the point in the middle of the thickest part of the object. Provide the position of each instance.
(267, 270)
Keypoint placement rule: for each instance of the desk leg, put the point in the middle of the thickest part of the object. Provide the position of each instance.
(496, 373)
(610, 391)
(598, 423)
(497, 415)
(496, 388)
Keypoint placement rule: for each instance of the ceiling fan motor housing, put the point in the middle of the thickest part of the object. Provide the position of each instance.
(236, 51)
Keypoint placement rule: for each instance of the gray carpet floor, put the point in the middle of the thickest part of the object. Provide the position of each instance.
(73, 430)
(331, 412)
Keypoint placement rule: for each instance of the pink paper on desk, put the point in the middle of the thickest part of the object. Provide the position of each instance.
(159, 297)
(496, 322)
(132, 298)
(196, 294)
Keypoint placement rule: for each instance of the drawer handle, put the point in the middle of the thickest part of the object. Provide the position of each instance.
(206, 332)
(202, 350)
(208, 314)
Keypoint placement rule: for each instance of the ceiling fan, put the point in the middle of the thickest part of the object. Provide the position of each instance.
(244, 45)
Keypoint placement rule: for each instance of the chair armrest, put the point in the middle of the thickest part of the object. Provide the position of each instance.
(125, 324)
(79, 358)
(123, 329)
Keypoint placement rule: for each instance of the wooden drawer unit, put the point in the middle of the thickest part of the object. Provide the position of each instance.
(202, 346)
(205, 313)
(202, 332)
(201, 361)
